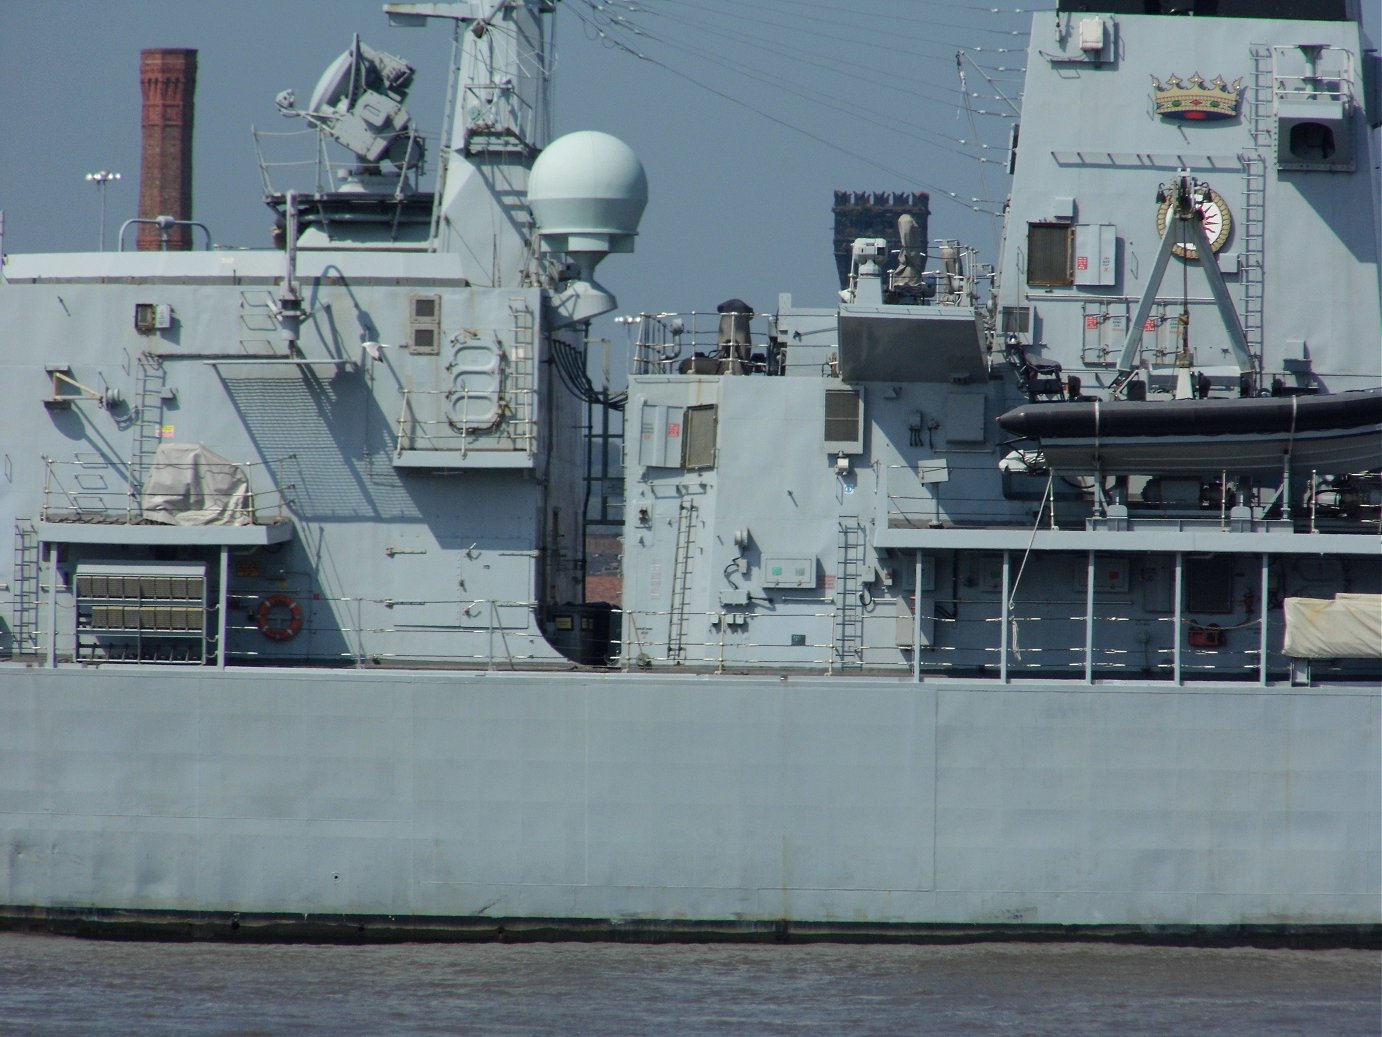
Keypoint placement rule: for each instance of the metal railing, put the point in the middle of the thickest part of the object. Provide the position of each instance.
(487, 632)
(324, 171)
(1326, 503)
(960, 642)
(103, 491)
(695, 343)
(514, 428)
(1328, 74)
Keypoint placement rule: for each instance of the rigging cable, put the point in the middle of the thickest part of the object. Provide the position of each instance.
(1010, 619)
(593, 21)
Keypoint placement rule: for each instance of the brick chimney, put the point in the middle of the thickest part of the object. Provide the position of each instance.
(168, 79)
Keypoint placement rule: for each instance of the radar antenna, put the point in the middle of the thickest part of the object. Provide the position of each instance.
(358, 102)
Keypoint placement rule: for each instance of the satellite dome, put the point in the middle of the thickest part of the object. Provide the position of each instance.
(587, 191)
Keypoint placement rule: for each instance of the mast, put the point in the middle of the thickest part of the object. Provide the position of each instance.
(498, 122)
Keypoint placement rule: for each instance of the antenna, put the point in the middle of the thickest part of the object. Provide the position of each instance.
(358, 102)
(101, 179)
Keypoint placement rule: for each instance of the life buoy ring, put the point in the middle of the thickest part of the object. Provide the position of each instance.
(276, 631)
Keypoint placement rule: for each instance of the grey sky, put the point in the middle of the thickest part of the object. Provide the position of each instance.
(755, 114)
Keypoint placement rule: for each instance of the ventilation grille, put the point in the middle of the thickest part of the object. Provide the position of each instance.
(844, 421)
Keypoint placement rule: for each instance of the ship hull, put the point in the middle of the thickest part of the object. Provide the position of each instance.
(436, 803)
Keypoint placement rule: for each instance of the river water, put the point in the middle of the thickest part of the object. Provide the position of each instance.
(72, 987)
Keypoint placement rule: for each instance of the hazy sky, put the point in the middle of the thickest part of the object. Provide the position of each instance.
(747, 117)
(740, 191)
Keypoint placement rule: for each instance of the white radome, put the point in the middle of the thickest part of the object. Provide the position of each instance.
(587, 191)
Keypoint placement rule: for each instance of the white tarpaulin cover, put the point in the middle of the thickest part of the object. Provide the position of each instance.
(1348, 627)
(188, 485)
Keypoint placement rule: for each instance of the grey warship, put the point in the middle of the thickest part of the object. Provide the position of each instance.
(1036, 594)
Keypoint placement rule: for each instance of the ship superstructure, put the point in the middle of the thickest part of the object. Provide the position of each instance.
(1038, 594)
(926, 502)
(389, 353)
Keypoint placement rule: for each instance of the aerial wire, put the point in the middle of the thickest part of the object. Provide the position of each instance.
(607, 29)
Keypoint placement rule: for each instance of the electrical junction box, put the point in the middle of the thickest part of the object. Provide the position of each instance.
(150, 317)
(926, 573)
(1113, 576)
(1091, 35)
(1096, 250)
(788, 571)
(987, 572)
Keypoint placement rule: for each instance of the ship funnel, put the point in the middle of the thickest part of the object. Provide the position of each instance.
(587, 192)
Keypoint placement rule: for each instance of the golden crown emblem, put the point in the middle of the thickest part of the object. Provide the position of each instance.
(1196, 99)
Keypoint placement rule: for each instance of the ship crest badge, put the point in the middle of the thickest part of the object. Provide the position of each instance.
(1195, 99)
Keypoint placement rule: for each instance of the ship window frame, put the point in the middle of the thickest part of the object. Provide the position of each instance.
(1016, 320)
(424, 324)
(700, 429)
(425, 309)
(1041, 255)
(842, 429)
(424, 341)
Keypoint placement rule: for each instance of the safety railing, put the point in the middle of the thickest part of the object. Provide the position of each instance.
(98, 490)
(455, 420)
(1314, 73)
(477, 632)
(1042, 640)
(920, 497)
(313, 155)
(702, 343)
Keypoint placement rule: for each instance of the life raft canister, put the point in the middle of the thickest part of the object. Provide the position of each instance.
(273, 628)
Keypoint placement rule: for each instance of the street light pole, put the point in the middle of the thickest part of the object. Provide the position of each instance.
(101, 179)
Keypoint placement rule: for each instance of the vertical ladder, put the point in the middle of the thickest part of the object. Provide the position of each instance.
(522, 390)
(1260, 93)
(1253, 214)
(26, 587)
(681, 582)
(1251, 273)
(148, 427)
(849, 612)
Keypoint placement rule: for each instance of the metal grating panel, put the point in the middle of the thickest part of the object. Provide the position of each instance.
(844, 426)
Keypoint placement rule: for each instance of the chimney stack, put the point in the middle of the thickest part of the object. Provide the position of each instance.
(168, 79)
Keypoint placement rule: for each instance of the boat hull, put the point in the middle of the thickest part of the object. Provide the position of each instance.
(673, 803)
(1341, 433)
(1254, 454)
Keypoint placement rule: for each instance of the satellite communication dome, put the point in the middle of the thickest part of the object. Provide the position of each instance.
(587, 192)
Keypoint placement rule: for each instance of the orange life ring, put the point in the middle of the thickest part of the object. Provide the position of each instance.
(265, 618)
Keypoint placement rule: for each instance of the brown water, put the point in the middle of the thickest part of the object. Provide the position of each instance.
(55, 985)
